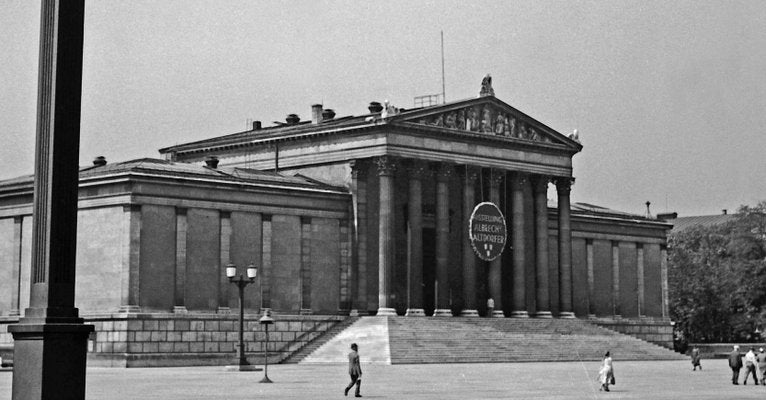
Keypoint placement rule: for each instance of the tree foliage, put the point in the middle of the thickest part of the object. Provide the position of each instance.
(717, 279)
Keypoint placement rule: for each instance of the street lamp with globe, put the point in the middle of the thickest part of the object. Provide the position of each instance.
(241, 282)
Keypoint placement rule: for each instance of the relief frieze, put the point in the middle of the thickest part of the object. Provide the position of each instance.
(486, 120)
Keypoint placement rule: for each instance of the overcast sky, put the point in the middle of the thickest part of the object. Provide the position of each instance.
(669, 97)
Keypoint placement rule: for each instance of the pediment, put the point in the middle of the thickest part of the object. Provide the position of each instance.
(487, 116)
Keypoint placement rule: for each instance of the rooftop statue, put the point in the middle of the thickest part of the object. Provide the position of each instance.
(486, 87)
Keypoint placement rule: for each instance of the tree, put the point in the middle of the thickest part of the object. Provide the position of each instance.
(717, 278)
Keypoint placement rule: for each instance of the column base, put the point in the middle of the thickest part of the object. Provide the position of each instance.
(415, 312)
(519, 314)
(49, 358)
(591, 316)
(180, 310)
(386, 312)
(129, 309)
(223, 310)
(306, 311)
(442, 312)
(543, 314)
(243, 368)
(266, 311)
(14, 313)
(358, 313)
(498, 314)
(566, 315)
(469, 313)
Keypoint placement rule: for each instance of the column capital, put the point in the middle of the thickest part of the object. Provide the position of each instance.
(359, 168)
(519, 180)
(418, 169)
(496, 177)
(386, 165)
(444, 171)
(540, 183)
(470, 172)
(563, 184)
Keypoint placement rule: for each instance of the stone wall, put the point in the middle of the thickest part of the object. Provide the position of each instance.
(653, 331)
(165, 339)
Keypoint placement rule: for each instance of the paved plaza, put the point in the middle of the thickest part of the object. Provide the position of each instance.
(567, 380)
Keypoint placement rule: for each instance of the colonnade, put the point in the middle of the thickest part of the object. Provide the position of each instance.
(416, 172)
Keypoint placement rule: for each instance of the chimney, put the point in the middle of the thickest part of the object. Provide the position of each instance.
(100, 161)
(316, 113)
(292, 119)
(725, 211)
(375, 107)
(211, 162)
(256, 125)
(328, 114)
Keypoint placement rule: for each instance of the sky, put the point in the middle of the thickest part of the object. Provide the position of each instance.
(669, 98)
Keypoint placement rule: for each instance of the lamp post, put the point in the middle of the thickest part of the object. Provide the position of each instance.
(241, 282)
(266, 320)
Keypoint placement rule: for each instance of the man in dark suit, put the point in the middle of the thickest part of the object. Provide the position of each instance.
(735, 362)
(355, 370)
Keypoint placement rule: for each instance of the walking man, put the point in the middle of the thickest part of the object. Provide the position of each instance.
(735, 362)
(355, 370)
(750, 365)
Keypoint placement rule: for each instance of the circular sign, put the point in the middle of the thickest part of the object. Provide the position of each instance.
(487, 231)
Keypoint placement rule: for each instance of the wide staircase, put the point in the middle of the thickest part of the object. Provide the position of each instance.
(309, 348)
(403, 340)
(476, 340)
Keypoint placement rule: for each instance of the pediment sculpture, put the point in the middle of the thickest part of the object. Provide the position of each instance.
(485, 119)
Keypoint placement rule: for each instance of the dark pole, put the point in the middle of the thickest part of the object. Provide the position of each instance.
(241, 283)
(266, 359)
(50, 341)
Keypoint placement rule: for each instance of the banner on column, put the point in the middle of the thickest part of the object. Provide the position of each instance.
(487, 231)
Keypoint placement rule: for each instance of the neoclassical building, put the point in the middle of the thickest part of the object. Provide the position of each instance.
(358, 215)
(415, 177)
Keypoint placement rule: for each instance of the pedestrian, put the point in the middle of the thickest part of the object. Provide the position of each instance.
(750, 363)
(761, 357)
(735, 363)
(490, 307)
(606, 373)
(355, 370)
(696, 358)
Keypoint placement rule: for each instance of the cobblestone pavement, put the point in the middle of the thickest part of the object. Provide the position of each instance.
(567, 380)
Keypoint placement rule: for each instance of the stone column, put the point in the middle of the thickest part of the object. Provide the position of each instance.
(591, 278)
(640, 278)
(616, 280)
(417, 171)
(496, 266)
(305, 272)
(564, 187)
(223, 260)
(518, 182)
(443, 174)
(359, 274)
(16, 267)
(345, 265)
(50, 341)
(179, 293)
(266, 235)
(386, 168)
(469, 258)
(541, 247)
(131, 259)
(664, 279)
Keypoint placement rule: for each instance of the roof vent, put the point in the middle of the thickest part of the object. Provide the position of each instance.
(375, 107)
(211, 162)
(648, 213)
(293, 119)
(100, 161)
(256, 125)
(328, 114)
(724, 211)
